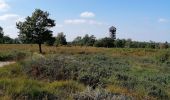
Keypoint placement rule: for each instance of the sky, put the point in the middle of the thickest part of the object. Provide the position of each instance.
(139, 20)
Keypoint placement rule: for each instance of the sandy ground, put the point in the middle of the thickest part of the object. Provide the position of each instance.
(5, 63)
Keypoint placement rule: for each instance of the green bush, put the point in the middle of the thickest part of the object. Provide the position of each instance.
(104, 42)
(23, 89)
(5, 56)
(100, 70)
(52, 68)
(163, 57)
(64, 89)
(26, 89)
(11, 71)
(157, 92)
(12, 55)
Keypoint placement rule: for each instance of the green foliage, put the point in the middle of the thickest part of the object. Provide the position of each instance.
(64, 89)
(52, 68)
(24, 89)
(127, 73)
(157, 92)
(50, 42)
(16, 86)
(105, 42)
(11, 71)
(85, 41)
(12, 55)
(163, 57)
(60, 39)
(36, 28)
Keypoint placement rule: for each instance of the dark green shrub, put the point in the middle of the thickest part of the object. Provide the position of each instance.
(157, 92)
(105, 42)
(5, 56)
(13, 55)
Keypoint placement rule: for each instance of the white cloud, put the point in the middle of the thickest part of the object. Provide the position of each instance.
(58, 25)
(82, 21)
(3, 6)
(7, 17)
(75, 21)
(163, 20)
(93, 22)
(87, 15)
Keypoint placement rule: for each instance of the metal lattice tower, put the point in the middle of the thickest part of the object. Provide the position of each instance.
(112, 32)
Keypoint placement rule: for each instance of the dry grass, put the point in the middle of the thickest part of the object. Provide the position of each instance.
(119, 90)
(117, 52)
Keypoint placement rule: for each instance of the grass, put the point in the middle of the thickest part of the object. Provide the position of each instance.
(66, 72)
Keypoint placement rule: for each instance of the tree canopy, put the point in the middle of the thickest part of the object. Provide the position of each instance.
(36, 28)
(60, 39)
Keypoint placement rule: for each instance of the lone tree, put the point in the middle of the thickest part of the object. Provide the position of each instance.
(1, 34)
(36, 28)
(112, 31)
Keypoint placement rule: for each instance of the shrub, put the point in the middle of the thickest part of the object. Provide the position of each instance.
(162, 57)
(157, 92)
(23, 89)
(52, 68)
(99, 94)
(13, 71)
(64, 89)
(12, 55)
(5, 56)
(105, 42)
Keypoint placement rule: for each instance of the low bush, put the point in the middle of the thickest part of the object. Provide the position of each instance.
(27, 89)
(99, 94)
(52, 68)
(64, 89)
(99, 70)
(22, 89)
(163, 57)
(12, 55)
(157, 92)
(11, 71)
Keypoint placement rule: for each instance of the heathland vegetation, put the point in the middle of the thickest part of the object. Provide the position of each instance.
(84, 69)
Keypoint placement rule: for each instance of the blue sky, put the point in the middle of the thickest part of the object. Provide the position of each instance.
(141, 20)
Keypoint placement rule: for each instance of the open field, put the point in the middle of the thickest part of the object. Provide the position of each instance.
(84, 73)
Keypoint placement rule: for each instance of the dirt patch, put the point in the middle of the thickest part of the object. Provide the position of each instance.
(5, 63)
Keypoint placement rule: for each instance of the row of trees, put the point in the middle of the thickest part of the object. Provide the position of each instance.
(7, 39)
(36, 29)
(118, 43)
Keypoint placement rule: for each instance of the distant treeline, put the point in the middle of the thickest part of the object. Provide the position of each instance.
(118, 43)
(60, 40)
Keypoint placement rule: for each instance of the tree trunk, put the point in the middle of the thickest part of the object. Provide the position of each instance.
(40, 50)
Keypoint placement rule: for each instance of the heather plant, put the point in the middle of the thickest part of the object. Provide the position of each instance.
(13, 55)
(99, 94)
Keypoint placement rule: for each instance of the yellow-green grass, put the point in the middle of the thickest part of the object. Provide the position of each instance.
(142, 62)
(82, 50)
(15, 84)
